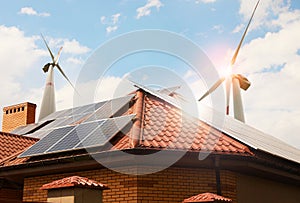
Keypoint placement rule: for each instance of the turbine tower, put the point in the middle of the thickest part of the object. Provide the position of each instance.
(237, 81)
(48, 101)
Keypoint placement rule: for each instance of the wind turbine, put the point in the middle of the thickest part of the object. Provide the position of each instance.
(237, 80)
(48, 101)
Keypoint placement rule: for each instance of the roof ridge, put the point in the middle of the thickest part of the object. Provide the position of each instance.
(73, 181)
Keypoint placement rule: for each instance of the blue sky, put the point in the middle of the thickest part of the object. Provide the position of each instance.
(270, 56)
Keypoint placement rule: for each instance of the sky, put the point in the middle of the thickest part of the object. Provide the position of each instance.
(269, 57)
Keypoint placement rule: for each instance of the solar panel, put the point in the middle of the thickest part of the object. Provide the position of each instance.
(64, 117)
(95, 133)
(41, 146)
(105, 132)
(110, 108)
(75, 136)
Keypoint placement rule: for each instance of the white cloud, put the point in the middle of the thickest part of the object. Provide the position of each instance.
(69, 46)
(18, 56)
(112, 25)
(110, 29)
(21, 61)
(266, 11)
(75, 61)
(115, 18)
(31, 11)
(146, 10)
(73, 47)
(272, 64)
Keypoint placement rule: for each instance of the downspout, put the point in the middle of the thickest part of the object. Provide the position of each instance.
(218, 178)
(137, 126)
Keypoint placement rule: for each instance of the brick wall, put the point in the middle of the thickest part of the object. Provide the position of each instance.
(122, 188)
(171, 185)
(18, 115)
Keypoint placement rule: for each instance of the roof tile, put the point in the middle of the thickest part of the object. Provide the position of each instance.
(167, 127)
(206, 197)
(11, 144)
(73, 181)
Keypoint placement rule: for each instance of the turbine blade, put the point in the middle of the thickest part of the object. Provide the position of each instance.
(245, 32)
(217, 84)
(237, 100)
(62, 72)
(52, 56)
(58, 55)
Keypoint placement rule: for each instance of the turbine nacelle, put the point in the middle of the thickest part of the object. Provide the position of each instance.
(244, 82)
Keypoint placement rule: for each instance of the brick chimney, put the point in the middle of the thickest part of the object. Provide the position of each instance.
(18, 115)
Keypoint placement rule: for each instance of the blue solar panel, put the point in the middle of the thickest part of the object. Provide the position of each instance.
(105, 132)
(41, 146)
(74, 136)
(96, 133)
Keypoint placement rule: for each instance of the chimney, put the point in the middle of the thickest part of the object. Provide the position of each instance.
(18, 115)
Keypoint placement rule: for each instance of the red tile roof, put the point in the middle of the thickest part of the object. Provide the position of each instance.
(165, 127)
(11, 144)
(206, 197)
(74, 181)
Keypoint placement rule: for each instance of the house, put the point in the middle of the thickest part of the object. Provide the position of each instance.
(144, 148)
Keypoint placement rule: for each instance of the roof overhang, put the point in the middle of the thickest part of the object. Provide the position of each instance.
(240, 164)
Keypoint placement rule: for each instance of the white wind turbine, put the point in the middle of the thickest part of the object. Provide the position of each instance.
(237, 80)
(48, 101)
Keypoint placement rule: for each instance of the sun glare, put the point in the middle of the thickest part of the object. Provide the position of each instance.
(225, 71)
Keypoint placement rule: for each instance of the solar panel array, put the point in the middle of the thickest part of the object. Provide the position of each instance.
(66, 117)
(85, 135)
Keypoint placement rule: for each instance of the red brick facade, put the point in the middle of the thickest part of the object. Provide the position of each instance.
(171, 185)
(18, 115)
